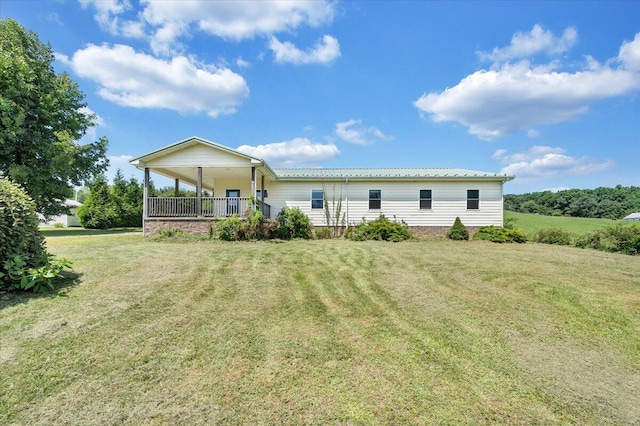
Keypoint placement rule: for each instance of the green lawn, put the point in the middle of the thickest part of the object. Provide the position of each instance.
(532, 223)
(325, 332)
(52, 231)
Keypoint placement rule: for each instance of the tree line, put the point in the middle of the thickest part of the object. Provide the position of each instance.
(602, 202)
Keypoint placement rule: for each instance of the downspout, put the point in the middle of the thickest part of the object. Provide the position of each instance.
(346, 199)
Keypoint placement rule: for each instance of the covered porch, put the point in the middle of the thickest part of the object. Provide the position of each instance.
(226, 182)
(232, 204)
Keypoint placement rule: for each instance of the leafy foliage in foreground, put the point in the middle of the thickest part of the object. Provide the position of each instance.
(26, 265)
(381, 229)
(43, 114)
(458, 231)
(497, 234)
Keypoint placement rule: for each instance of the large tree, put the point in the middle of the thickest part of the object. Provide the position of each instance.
(42, 116)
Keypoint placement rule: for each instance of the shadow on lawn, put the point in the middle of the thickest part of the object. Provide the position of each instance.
(75, 232)
(68, 280)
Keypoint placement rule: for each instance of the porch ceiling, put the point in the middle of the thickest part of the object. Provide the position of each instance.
(189, 175)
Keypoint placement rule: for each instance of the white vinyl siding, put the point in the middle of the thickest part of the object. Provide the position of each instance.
(401, 201)
(199, 155)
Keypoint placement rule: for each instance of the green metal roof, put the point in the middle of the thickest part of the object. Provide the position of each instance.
(386, 173)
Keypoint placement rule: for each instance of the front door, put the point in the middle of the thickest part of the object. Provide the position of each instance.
(232, 201)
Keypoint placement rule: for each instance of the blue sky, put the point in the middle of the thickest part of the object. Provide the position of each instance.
(547, 91)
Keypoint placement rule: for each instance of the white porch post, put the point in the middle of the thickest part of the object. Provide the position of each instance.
(253, 182)
(199, 193)
(145, 198)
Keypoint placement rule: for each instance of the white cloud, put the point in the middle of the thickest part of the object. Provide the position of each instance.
(120, 162)
(514, 97)
(524, 45)
(241, 63)
(630, 54)
(325, 51)
(359, 135)
(133, 79)
(240, 20)
(108, 15)
(533, 133)
(540, 162)
(166, 22)
(298, 152)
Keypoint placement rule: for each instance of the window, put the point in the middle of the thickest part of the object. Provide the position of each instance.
(375, 199)
(473, 199)
(425, 199)
(317, 199)
(259, 194)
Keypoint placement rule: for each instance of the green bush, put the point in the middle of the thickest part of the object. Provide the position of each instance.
(381, 229)
(268, 229)
(293, 224)
(458, 231)
(26, 265)
(615, 239)
(324, 233)
(229, 229)
(497, 234)
(554, 236)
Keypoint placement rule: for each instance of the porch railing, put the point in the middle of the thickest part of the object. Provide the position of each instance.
(210, 207)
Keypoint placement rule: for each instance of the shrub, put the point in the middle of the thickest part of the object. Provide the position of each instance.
(614, 239)
(229, 229)
(293, 224)
(554, 236)
(458, 231)
(26, 265)
(381, 229)
(497, 234)
(268, 229)
(323, 233)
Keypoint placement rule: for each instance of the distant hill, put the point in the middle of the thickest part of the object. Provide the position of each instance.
(611, 203)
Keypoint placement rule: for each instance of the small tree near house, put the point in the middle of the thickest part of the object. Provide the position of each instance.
(458, 231)
(334, 216)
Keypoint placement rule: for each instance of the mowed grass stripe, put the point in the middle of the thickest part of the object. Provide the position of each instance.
(326, 332)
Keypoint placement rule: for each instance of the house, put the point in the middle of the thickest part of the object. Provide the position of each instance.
(633, 216)
(427, 200)
(65, 220)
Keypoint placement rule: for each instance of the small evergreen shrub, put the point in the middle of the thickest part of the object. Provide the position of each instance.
(381, 229)
(554, 236)
(293, 224)
(614, 239)
(496, 234)
(26, 265)
(458, 231)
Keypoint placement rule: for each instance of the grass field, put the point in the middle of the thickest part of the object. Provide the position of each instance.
(532, 223)
(325, 332)
(52, 231)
